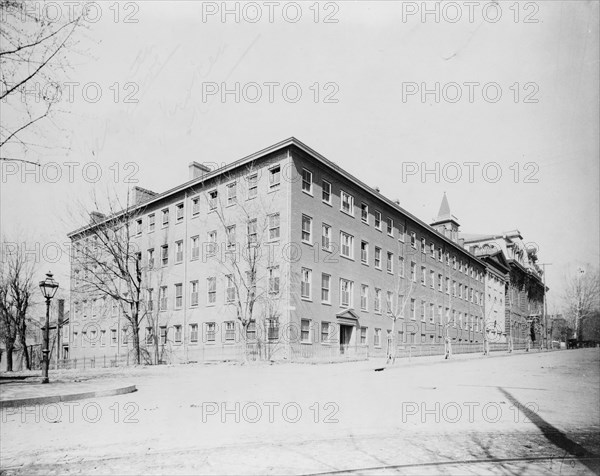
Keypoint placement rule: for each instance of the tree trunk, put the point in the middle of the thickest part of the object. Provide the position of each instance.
(136, 339)
(23, 341)
(9, 359)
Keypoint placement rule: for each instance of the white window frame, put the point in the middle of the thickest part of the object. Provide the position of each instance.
(308, 238)
(364, 210)
(346, 241)
(307, 178)
(323, 192)
(350, 202)
(306, 285)
(325, 288)
(350, 293)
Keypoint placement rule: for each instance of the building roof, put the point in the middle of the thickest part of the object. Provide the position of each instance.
(290, 142)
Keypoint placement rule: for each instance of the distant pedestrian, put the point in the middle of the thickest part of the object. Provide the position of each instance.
(448, 345)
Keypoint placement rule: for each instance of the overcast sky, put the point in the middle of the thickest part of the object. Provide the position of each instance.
(366, 112)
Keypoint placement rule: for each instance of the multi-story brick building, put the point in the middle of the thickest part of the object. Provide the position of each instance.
(289, 249)
(524, 290)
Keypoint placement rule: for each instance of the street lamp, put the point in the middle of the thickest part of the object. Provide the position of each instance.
(48, 288)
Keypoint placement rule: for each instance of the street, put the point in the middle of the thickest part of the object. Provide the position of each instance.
(533, 413)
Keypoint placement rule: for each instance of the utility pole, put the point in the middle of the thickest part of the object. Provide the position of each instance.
(545, 305)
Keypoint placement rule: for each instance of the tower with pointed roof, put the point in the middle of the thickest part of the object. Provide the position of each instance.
(446, 223)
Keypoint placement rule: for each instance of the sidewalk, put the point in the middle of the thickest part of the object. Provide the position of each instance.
(20, 392)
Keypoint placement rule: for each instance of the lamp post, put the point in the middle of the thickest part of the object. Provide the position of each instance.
(48, 288)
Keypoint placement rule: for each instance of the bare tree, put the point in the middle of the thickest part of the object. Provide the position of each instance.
(107, 262)
(246, 260)
(16, 291)
(32, 60)
(582, 297)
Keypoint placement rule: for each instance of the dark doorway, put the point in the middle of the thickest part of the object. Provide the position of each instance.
(345, 337)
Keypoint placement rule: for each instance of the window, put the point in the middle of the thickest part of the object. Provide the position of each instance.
(423, 245)
(306, 229)
(377, 300)
(251, 331)
(388, 302)
(440, 289)
(440, 254)
(325, 288)
(377, 338)
(252, 232)
(213, 196)
(326, 192)
(422, 310)
(211, 330)
(179, 212)
(229, 330)
(165, 217)
(151, 222)
(124, 335)
(178, 295)
(423, 276)
(347, 203)
(460, 291)
(149, 335)
(274, 222)
(163, 335)
(113, 337)
(305, 284)
(377, 220)
(252, 186)
(346, 292)
(447, 285)
(431, 313)
(165, 254)
(390, 262)
(401, 266)
(413, 271)
(274, 176)
(177, 333)
(432, 250)
(195, 245)
(454, 288)
(151, 258)
(364, 297)
(364, 212)
(211, 247)
(347, 245)
(162, 298)
(447, 259)
(454, 262)
(305, 330)
(326, 237)
(273, 328)
(194, 293)
(274, 279)
(230, 233)
(230, 288)
(390, 226)
(193, 332)
(211, 286)
(412, 309)
(307, 181)
(231, 194)
(138, 227)
(439, 313)
(178, 251)
(364, 252)
(195, 209)
(325, 334)
(363, 336)
(401, 232)
(432, 279)
(378, 257)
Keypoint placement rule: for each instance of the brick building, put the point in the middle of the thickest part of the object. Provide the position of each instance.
(285, 253)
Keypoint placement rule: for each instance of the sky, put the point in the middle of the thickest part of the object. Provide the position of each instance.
(516, 105)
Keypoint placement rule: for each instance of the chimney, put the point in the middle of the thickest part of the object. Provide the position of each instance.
(197, 170)
(96, 217)
(141, 195)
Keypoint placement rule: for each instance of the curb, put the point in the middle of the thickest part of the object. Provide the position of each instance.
(17, 402)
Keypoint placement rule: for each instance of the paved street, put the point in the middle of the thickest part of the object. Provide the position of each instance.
(532, 413)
